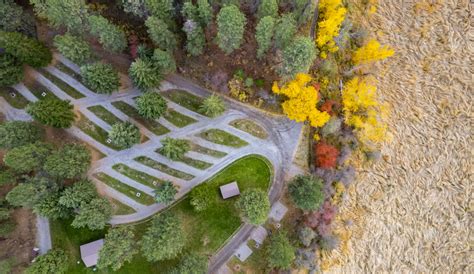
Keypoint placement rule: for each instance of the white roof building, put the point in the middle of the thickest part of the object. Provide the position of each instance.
(230, 190)
(90, 252)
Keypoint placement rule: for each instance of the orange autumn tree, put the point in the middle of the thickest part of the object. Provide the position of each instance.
(332, 14)
(302, 99)
(370, 52)
(363, 111)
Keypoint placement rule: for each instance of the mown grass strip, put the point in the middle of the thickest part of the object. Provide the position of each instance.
(39, 91)
(151, 125)
(178, 119)
(163, 168)
(67, 70)
(139, 176)
(250, 127)
(104, 114)
(185, 99)
(131, 192)
(97, 133)
(222, 138)
(62, 85)
(191, 162)
(13, 97)
(207, 151)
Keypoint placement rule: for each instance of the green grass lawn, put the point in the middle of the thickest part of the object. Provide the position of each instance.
(62, 85)
(206, 231)
(207, 151)
(184, 99)
(250, 127)
(65, 69)
(163, 168)
(94, 131)
(222, 138)
(39, 90)
(178, 119)
(191, 162)
(131, 192)
(139, 176)
(132, 112)
(18, 101)
(105, 115)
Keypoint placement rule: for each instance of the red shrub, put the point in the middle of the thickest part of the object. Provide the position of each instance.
(326, 155)
(133, 45)
(329, 106)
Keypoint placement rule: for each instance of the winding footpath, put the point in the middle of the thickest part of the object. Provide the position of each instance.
(278, 148)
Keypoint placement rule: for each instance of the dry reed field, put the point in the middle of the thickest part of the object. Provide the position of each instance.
(412, 211)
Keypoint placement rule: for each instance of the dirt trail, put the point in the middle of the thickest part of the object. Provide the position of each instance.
(413, 210)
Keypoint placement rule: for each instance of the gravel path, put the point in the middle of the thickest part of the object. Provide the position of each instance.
(43, 235)
(413, 210)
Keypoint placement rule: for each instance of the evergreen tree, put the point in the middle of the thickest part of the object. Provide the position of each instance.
(174, 149)
(71, 161)
(100, 77)
(24, 49)
(163, 10)
(164, 61)
(111, 37)
(93, 215)
(306, 192)
(73, 47)
(49, 207)
(18, 133)
(212, 106)
(54, 261)
(191, 264)
(71, 14)
(164, 238)
(160, 34)
(27, 158)
(124, 134)
(280, 253)
(145, 74)
(52, 112)
(195, 39)
(285, 30)
(29, 193)
(264, 34)
(10, 16)
(151, 105)
(268, 8)
(230, 25)
(119, 248)
(298, 57)
(165, 193)
(254, 206)
(82, 192)
(11, 71)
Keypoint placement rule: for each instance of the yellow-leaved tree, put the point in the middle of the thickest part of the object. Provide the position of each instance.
(370, 52)
(331, 14)
(363, 111)
(302, 99)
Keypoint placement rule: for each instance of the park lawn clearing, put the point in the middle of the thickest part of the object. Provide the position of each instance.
(104, 115)
(222, 138)
(207, 151)
(178, 119)
(250, 127)
(132, 112)
(94, 131)
(139, 176)
(185, 99)
(39, 91)
(131, 192)
(163, 168)
(17, 101)
(206, 231)
(62, 85)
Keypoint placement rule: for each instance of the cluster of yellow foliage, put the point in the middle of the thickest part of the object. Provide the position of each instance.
(363, 111)
(332, 14)
(237, 91)
(302, 100)
(372, 51)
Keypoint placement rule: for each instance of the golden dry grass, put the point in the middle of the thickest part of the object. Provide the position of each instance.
(412, 211)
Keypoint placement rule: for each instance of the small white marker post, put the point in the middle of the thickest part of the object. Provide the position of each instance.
(108, 141)
(43, 94)
(138, 194)
(12, 94)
